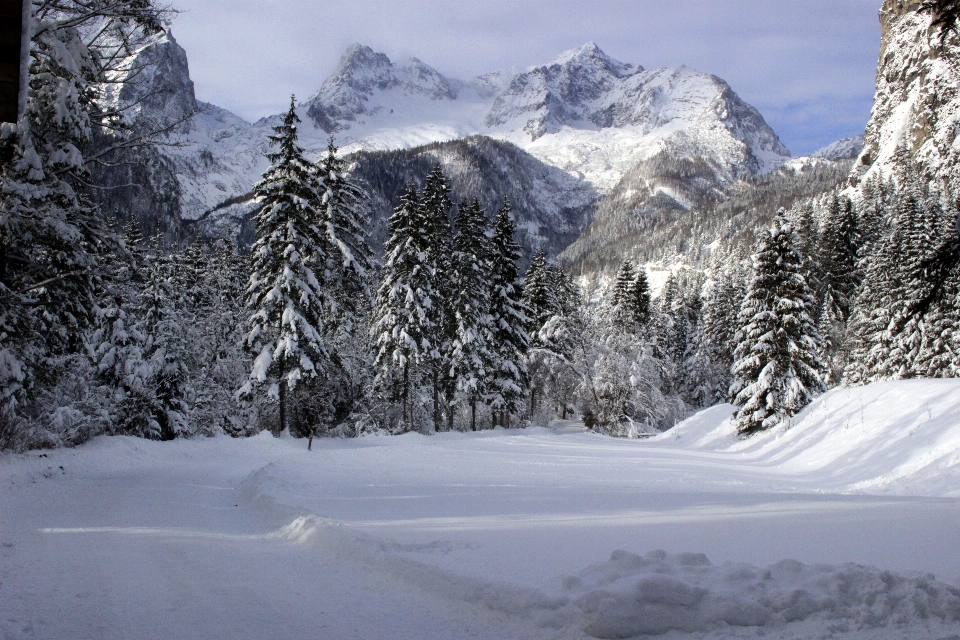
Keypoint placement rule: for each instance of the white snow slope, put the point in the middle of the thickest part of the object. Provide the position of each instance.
(830, 529)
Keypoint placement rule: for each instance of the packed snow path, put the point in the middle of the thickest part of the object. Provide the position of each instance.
(540, 533)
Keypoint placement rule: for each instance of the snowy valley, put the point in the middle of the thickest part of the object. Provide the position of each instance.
(834, 528)
(573, 351)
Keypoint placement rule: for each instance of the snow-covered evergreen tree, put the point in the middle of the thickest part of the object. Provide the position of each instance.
(286, 296)
(839, 246)
(345, 218)
(719, 327)
(509, 378)
(624, 280)
(888, 333)
(777, 370)
(434, 219)
(54, 244)
(637, 300)
(831, 328)
(538, 292)
(472, 354)
(403, 324)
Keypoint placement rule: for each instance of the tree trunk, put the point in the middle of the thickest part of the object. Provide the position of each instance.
(283, 406)
(406, 394)
(310, 443)
(436, 400)
(473, 414)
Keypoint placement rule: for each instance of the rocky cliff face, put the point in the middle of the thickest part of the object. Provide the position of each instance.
(916, 112)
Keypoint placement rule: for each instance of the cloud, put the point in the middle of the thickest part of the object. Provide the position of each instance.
(808, 65)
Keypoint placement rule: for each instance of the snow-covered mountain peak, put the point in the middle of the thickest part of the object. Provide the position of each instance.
(590, 55)
(585, 113)
(357, 88)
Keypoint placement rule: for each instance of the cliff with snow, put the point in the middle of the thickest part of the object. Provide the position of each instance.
(916, 112)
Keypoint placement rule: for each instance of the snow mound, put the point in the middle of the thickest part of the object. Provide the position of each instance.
(633, 595)
(892, 437)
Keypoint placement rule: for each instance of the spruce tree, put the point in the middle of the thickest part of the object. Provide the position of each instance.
(888, 333)
(625, 278)
(839, 253)
(286, 295)
(509, 378)
(345, 219)
(434, 219)
(54, 242)
(538, 292)
(777, 370)
(638, 299)
(472, 355)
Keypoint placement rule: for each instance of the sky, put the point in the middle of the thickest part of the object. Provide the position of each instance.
(809, 66)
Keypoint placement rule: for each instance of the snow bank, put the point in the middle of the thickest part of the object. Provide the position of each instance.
(633, 595)
(890, 437)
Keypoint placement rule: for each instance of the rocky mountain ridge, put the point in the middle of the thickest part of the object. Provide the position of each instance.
(584, 113)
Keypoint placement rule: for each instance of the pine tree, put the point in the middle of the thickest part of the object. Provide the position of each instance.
(538, 292)
(777, 370)
(472, 354)
(624, 281)
(566, 293)
(721, 310)
(831, 327)
(888, 334)
(403, 322)
(348, 254)
(839, 247)
(434, 210)
(54, 243)
(638, 299)
(286, 296)
(509, 378)
(165, 324)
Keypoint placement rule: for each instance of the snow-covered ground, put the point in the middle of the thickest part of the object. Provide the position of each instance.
(831, 529)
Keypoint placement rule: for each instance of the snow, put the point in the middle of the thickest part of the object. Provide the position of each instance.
(828, 529)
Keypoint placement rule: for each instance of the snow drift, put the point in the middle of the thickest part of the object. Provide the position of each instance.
(829, 528)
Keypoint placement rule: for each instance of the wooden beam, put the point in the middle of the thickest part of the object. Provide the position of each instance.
(11, 28)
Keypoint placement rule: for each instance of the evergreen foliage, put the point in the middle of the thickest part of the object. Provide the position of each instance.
(435, 207)
(472, 355)
(777, 369)
(402, 323)
(54, 244)
(539, 292)
(286, 296)
(509, 378)
(839, 250)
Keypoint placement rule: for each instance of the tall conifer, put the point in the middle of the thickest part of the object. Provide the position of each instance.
(286, 295)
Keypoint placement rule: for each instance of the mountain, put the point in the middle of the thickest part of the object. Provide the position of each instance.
(916, 112)
(845, 149)
(584, 112)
